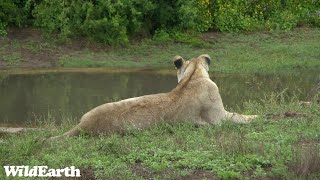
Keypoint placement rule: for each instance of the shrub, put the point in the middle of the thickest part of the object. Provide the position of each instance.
(237, 15)
(195, 15)
(15, 13)
(117, 21)
(114, 22)
(106, 21)
(161, 36)
(7, 11)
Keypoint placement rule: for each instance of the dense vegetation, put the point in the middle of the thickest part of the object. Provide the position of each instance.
(116, 22)
(275, 146)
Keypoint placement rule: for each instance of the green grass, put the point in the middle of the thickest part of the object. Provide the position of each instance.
(273, 146)
(258, 52)
(264, 52)
(277, 147)
(12, 59)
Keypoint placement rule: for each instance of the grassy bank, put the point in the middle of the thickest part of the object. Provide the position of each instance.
(274, 146)
(266, 52)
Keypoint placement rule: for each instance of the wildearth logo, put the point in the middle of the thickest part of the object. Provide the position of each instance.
(41, 171)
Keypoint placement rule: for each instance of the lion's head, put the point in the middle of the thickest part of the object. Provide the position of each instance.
(184, 66)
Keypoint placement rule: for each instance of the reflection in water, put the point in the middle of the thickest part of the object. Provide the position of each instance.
(24, 98)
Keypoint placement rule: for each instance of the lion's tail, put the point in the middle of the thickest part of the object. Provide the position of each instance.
(239, 118)
(73, 132)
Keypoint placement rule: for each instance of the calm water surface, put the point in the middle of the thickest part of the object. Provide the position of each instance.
(24, 98)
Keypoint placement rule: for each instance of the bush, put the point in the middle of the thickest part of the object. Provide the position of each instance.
(7, 11)
(237, 15)
(195, 15)
(114, 22)
(106, 21)
(161, 36)
(117, 21)
(15, 13)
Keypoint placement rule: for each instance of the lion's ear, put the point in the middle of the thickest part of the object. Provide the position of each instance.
(178, 61)
(206, 57)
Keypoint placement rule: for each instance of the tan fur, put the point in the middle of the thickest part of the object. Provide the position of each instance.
(196, 98)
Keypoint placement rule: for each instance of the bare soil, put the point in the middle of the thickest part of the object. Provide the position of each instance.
(32, 49)
(139, 170)
(86, 174)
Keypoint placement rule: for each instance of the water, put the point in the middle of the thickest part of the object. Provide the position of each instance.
(27, 97)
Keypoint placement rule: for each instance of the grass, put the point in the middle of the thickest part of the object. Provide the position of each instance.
(273, 147)
(258, 52)
(12, 59)
(231, 53)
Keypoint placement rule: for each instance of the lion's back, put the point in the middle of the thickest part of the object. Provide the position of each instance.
(136, 112)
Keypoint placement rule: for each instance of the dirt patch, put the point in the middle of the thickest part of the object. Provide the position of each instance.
(142, 171)
(288, 114)
(211, 36)
(29, 48)
(292, 114)
(139, 170)
(24, 34)
(25, 48)
(2, 64)
(86, 174)
(198, 174)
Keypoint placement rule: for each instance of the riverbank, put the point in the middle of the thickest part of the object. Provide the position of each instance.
(277, 145)
(259, 52)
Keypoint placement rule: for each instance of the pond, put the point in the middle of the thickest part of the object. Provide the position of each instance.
(27, 97)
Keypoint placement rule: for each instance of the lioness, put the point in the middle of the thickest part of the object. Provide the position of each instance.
(196, 98)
